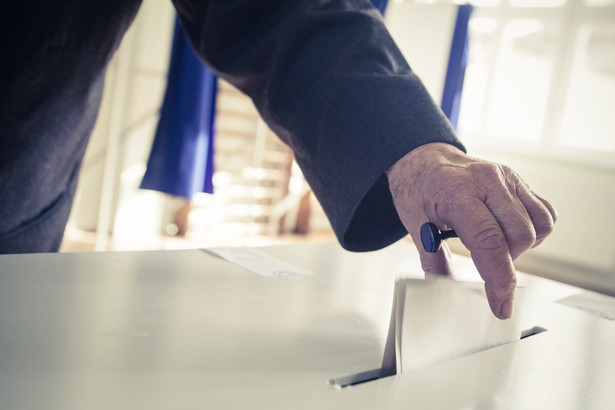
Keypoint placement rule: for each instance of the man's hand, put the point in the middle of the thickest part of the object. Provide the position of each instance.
(495, 214)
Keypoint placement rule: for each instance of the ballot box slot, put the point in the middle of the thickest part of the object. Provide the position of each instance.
(358, 378)
(377, 374)
(532, 332)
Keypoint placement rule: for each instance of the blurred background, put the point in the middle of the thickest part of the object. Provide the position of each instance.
(538, 95)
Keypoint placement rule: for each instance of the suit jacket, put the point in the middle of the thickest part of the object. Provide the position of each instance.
(325, 75)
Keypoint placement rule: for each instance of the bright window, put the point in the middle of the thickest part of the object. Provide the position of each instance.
(537, 3)
(522, 79)
(589, 120)
(541, 77)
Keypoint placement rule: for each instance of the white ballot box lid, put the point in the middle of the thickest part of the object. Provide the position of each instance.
(190, 329)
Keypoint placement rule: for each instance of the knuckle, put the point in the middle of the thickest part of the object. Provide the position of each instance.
(493, 179)
(522, 239)
(457, 187)
(501, 287)
(490, 238)
(517, 248)
(540, 236)
(488, 171)
(544, 227)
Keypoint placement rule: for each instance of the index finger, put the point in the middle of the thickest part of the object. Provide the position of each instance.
(480, 232)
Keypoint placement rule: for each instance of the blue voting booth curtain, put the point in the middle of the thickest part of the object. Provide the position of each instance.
(181, 159)
(381, 5)
(458, 59)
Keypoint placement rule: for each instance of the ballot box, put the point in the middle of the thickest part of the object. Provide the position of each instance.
(196, 329)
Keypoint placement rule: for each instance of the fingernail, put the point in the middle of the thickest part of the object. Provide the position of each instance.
(506, 309)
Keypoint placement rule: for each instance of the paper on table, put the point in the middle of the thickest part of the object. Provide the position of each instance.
(435, 320)
(259, 262)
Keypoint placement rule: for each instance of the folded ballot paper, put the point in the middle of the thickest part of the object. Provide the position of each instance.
(439, 319)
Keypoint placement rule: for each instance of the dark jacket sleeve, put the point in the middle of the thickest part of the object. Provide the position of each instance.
(330, 82)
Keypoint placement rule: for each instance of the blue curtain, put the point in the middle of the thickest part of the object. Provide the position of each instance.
(381, 5)
(458, 58)
(181, 159)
